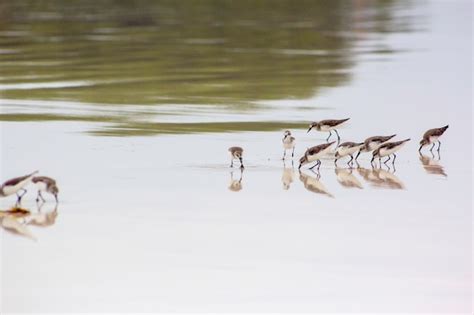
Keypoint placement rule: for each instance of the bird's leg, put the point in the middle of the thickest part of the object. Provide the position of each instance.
(40, 196)
(349, 163)
(319, 164)
(358, 153)
(21, 196)
(385, 162)
(293, 153)
(338, 138)
(24, 192)
(56, 197)
(232, 162)
(394, 158)
(241, 162)
(335, 162)
(284, 154)
(311, 168)
(439, 145)
(432, 147)
(330, 134)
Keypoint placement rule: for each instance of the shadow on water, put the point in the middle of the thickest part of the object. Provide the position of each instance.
(16, 220)
(381, 178)
(236, 184)
(288, 175)
(432, 164)
(346, 178)
(313, 184)
(230, 54)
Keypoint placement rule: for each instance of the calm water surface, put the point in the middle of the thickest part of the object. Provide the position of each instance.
(132, 107)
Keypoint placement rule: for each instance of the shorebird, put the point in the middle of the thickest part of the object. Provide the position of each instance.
(347, 148)
(288, 143)
(388, 148)
(14, 185)
(236, 153)
(314, 154)
(432, 136)
(327, 125)
(45, 184)
(373, 143)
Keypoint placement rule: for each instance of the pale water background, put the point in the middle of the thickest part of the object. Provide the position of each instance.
(132, 108)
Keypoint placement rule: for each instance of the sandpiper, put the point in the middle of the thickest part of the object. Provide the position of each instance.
(327, 125)
(236, 153)
(45, 184)
(14, 185)
(388, 148)
(373, 143)
(347, 148)
(432, 136)
(288, 143)
(314, 154)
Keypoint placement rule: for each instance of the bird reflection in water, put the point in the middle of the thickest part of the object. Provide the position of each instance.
(432, 165)
(346, 178)
(380, 178)
(313, 184)
(288, 175)
(236, 184)
(17, 220)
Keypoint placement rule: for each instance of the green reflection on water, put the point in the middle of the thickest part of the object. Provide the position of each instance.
(232, 53)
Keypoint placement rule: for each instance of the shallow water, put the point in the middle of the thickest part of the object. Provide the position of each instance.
(151, 217)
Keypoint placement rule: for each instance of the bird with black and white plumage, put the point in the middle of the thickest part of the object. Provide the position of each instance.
(236, 153)
(45, 184)
(347, 149)
(328, 125)
(373, 143)
(14, 185)
(388, 149)
(314, 154)
(289, 143)
(431, 137)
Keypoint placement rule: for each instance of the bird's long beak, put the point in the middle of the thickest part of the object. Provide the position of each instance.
(419, 150)
(299, 167)
(309, 129)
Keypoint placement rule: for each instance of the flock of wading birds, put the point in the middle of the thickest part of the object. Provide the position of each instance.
(378, 145)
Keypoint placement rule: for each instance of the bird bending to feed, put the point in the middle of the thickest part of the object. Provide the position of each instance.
(373, 143)
(314, 154)
(347, 148)
(236, 153)
(328, 125)
(289, 143)
(432, 136)
(14, 185)
(388, 148)
(45, 184)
